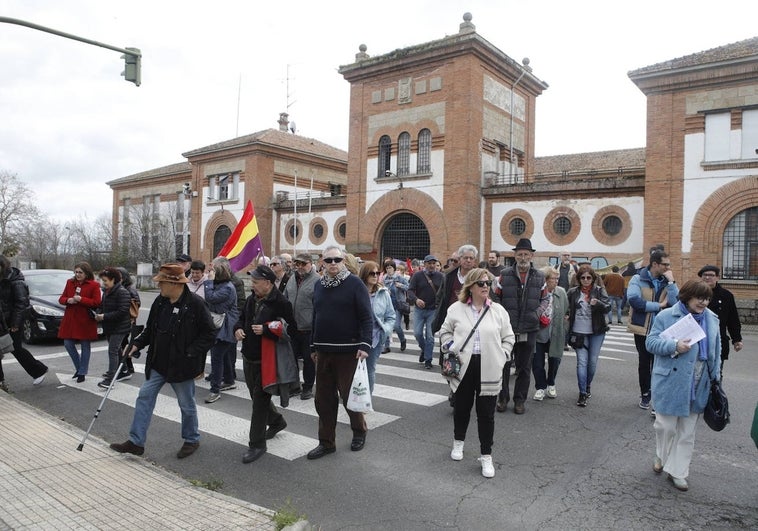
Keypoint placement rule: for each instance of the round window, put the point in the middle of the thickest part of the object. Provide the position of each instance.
(612, 225)
(517, 226)
(562, 225)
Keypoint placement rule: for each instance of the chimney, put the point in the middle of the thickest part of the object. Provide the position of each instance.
(283, 121)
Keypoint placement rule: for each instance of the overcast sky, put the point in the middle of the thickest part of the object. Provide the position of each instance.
(215, 70)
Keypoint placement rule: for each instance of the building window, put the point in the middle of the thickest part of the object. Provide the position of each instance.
(423, 161)
(750, 134)
(385, 151)
(740, 246)
(404, 154)
(562, 225)
(717, 132)
(340, 230)
(517, 226)
(223, 187)
(220, 237)
(318, 230)
(612, 225)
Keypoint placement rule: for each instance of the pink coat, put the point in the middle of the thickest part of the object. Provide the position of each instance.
(77, 323)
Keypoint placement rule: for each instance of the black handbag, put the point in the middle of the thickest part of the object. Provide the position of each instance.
(450, 362)
(716, 413)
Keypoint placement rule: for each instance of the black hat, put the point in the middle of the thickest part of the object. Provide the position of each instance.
(183, 258)
(263, 272)
(524, 243)
(706, 268)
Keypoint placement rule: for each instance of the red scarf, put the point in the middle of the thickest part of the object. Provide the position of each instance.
(268, 356)
(586, 291)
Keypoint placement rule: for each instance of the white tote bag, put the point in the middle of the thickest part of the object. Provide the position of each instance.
(359, 399)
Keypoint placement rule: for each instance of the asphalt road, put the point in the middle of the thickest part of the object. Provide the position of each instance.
(557, 467)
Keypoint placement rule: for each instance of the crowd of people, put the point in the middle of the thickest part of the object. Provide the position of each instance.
(329, 315)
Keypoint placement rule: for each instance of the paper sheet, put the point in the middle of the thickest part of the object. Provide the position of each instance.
(685, 328)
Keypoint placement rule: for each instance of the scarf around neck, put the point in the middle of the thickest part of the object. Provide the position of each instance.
(333, 282)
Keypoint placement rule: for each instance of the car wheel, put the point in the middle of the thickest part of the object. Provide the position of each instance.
(28, 332)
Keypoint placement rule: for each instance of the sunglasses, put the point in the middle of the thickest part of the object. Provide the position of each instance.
(482, 283)
(585, 278)
(335, 260)
(275, 263)
(373, 273)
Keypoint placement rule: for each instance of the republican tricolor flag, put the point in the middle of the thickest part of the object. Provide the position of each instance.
(244, 245)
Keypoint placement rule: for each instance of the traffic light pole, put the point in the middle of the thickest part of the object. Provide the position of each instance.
(131, 55)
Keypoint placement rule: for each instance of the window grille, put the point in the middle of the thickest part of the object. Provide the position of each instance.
(219, 238)
(517, 226)
(740, 254)
(404, 154)
(612, 225)
(385, 145)
(423, 161)
(405, 236)
(562, 225)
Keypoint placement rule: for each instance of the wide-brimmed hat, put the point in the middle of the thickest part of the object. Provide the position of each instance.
(524, 243)
(171, 273)
(263, 272)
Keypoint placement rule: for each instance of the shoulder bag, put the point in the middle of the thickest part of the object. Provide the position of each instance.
(450, 362)
(716, 413)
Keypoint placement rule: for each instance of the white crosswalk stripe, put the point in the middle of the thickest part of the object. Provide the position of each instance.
(402, 383)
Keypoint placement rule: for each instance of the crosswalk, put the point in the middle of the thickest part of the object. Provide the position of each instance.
(402, 385)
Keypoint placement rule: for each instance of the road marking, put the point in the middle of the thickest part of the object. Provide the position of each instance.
(286, 445)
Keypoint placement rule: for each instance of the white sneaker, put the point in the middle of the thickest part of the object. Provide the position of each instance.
(539, 395)
(551, 392)
(39, 379)
(457, 453)
(488, 469)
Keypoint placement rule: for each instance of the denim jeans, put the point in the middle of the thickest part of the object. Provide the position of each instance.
(542, 379)
(398, 329)
(114, 352)
(422, 330)
(586, 360)
(373, 357)
(219, 362)
(81, 362)
(143, 408)
(619, 302)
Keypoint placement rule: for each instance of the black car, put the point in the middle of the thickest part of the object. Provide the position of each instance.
(43, 318)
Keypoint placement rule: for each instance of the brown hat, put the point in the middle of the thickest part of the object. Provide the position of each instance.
(171, 273)
(304, 258)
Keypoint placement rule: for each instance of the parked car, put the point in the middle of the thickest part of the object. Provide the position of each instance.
(43, 318)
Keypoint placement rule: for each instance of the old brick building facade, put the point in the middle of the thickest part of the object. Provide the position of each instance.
(441, 153)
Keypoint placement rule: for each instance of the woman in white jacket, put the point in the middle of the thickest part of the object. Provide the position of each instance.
(384, 316)
(483, 354)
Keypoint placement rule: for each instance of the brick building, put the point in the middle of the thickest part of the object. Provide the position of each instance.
(441, 153)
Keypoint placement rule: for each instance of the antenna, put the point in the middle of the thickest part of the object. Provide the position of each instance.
(239, 91)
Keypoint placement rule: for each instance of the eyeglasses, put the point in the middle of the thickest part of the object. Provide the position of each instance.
(482, 283)
(585, 277)
(373, 273)
(335, 260)
(275, 263)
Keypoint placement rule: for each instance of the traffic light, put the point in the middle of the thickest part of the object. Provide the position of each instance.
(133, 66)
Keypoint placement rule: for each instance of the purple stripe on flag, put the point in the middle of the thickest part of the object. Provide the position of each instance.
(247, 255)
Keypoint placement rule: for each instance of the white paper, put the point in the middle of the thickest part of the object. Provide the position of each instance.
(686, 328)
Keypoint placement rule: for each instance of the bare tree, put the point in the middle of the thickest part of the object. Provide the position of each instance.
(16, 211)
(148, 233)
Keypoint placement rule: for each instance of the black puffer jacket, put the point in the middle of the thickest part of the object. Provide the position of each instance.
(14, 298)
(522, 303)
(115, 310)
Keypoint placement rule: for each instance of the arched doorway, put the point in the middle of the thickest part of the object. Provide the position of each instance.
(405, 236)
(219, 239)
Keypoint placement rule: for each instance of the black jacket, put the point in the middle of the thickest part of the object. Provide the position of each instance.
(274, 306)
(191, 337)
(522, 302)
(14, 298)
(723, 305)
(115, 310)
(599, 310)
(443, 298)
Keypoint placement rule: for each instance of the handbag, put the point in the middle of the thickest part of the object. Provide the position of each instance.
(450, 362)
(359, 399)
(218, 319)
(716, 413)
(6, 344)
(577, 340)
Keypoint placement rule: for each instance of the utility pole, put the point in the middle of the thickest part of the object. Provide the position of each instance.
(132, 56)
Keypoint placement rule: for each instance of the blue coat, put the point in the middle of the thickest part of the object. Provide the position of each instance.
(221, 297)
(384, 313)
(672, 377)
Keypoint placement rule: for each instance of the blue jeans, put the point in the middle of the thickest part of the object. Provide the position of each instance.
(541, 378)
(373, 357)
(398, 329)
(219, 363)
(143, 408)
(422, 330)
(586, 360)
(81, 363)
(619, 302)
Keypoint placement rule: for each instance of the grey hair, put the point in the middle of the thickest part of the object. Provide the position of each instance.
(467, 248)
(329, 248)
(223, 271)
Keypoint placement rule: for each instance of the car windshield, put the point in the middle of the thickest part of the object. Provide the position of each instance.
(51, 283)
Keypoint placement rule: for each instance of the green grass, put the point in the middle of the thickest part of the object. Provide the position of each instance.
(211, 484)
(286, 515)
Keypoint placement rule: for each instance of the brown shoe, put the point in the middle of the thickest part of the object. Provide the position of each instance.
(518, 409)
(128, 447)
(187, 450)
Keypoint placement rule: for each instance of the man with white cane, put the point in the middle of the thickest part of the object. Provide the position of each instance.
(178, 334)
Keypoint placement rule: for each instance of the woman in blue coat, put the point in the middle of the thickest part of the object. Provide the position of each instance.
(681, 381)
(384, 316)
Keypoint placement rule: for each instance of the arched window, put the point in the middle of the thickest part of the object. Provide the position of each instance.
(385, 150)
(404, 154)
(740, 253)
(219, 238)
(423, 162)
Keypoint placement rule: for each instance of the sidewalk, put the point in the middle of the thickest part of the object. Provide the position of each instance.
(45, 483)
